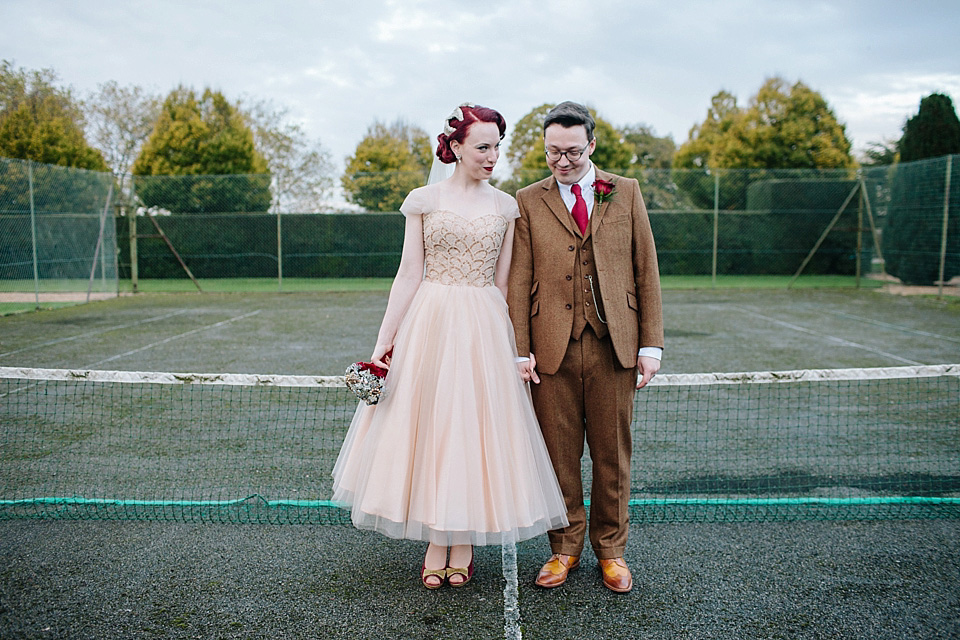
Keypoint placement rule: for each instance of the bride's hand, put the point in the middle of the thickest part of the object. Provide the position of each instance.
(381, 355)
(528, 370)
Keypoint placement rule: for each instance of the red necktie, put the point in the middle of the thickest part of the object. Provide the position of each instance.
(579, 211)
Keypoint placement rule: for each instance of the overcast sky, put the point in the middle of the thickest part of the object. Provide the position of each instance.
(340, 65)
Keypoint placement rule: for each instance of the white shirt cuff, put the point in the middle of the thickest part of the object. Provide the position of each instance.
(651, 352)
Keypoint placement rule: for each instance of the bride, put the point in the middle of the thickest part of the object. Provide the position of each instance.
(452, 454)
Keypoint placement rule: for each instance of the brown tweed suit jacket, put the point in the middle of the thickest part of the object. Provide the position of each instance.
(540, 295)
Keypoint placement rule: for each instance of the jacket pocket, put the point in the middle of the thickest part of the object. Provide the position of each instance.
(620, 218)
(632, 301)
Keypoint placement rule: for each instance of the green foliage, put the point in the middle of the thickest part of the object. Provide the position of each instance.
(880, 154)
(784, 127)
(933, 132)
(245, 193)
(529, 164)
(913, 233)
(43, 146)
(41, 122)
(527, 136)
(914, 229)
(612, 152)
(56, 189)
(806, 207)
(202, 139)
(245, 246)
(389, 162)
(649, 150)
(698, 151)
(58, 227)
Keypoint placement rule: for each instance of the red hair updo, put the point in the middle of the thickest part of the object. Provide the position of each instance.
(458, 125)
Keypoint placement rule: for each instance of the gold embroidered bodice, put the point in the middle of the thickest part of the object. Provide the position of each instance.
(458, 251)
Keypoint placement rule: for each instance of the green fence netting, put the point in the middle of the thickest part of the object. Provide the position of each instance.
(57, 229)
(898, 221)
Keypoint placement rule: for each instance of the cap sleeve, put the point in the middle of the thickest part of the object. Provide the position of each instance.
(416, 202)
(508, 206)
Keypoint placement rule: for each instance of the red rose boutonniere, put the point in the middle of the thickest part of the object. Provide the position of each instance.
(603, 190)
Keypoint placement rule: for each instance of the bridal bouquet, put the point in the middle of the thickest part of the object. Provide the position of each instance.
(365, 379)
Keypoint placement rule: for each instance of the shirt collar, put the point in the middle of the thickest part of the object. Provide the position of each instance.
(585, 182)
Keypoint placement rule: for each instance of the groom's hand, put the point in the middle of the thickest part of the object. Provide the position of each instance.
(528, 370)
(648, 368)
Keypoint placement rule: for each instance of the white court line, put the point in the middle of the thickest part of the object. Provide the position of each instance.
(94, 333)
(511, 593)
(172, 338)
(840, 341)
(895, 326)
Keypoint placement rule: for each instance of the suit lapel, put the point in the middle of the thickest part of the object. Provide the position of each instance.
(551, 198)
(599, 208)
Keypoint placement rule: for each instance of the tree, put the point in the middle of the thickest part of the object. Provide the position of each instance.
(119, 121)
(389, 162)
(612, 152)
(880, 154)
(697, 151)
(527, 135)
(784, 127)
(933, 132)
(914, 227)
(41, 122)
(209, 144)
(649, 150)
(529, 163)
(300, 168)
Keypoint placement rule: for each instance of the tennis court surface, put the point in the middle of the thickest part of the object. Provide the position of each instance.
(821, 508)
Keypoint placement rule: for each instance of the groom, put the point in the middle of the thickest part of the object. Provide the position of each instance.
(584, 296)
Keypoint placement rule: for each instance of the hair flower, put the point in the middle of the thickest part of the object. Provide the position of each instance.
(456, 115)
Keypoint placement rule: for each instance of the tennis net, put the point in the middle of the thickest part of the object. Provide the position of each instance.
(756, 446)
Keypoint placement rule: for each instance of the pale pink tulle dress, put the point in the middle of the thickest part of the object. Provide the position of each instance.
(453, 453)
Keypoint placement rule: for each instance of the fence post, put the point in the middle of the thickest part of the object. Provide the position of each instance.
(33, 235)
(859, 229)
(716, 225)
(943, 231)
(279, 254)
(132, 233)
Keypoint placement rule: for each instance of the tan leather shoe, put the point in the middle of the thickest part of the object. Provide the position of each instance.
(616, 575)
(554, 572)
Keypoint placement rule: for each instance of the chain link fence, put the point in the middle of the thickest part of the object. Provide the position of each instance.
(57, 232)
(899, 220)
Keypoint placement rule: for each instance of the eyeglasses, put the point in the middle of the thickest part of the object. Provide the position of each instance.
(572, 155)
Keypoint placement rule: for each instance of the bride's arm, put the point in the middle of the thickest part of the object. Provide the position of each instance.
(502, 273)
(405, 285)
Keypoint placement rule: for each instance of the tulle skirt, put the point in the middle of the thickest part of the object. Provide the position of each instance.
(452, 453)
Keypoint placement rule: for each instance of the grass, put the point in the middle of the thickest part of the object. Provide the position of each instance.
(260, 285)
(340, 285)
(9, 308)
(766, 282)
(269, 285)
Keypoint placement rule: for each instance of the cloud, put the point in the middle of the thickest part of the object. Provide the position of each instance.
(340, 66)
(879, 105)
